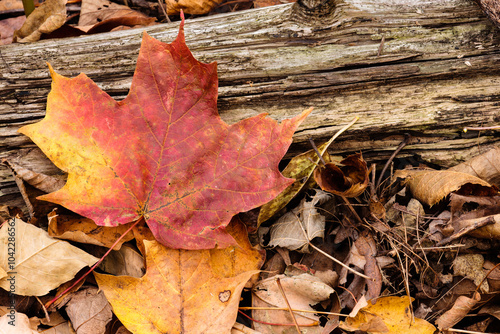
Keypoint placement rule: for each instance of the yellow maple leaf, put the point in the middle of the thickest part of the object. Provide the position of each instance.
(389, 315)
(184, 291)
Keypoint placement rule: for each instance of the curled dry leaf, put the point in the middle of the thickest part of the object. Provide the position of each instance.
(95, 15)
(163, 153)
(348, 180)
(40, 181)
(295, 229)
(50, 16)
(431, 186)
(84, 230)
(191, 6)
(39, 258)
(89, 311)
(188, 292)
(125, 262)
(388, 315)
(302, 292)
(462, 306)
(484, 166)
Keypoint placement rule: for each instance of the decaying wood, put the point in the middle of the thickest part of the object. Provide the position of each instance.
(427, 68)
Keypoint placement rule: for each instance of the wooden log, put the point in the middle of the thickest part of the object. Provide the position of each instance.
(427, 68)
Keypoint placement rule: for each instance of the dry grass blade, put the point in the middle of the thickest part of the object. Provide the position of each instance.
(288, 304)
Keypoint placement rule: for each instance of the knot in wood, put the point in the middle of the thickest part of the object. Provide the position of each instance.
(316, 11)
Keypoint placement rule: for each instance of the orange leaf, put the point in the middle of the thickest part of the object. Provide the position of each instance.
(163, 153)
(184, 291)
(388, 315)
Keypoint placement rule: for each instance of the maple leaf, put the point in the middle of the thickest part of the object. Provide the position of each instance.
(184, 291)
(163, 153)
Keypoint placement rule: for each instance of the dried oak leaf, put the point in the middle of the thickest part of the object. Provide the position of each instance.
(184, 291)
(163, 153)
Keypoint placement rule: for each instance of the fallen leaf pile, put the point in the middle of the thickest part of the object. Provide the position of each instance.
(192, 228)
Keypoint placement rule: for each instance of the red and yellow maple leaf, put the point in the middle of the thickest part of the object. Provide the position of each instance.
(163, 153)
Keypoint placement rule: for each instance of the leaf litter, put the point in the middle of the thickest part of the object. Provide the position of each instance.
(409, 256)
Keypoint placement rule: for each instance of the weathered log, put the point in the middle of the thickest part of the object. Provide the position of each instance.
(428, 68)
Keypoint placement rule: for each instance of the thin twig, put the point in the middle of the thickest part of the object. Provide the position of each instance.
(317, 152)
(314, 324)
(398, 149)
(465, 331)
(288, 304)
(381, 46)
(487, 221)
(94, 266)
(249, 308)
(329, 256)
(495, 127)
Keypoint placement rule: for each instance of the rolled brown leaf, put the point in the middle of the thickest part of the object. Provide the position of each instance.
(348, 180)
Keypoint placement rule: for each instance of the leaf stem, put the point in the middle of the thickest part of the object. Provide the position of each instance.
(94, 266)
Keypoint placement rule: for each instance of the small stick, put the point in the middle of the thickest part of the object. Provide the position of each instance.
(94, 266)
(317, 152)
(496, 127)
(381, 46)
(400, 147)
(329, 256)
(249, 308)
(273, 324)
(487, 221)
(288, 304)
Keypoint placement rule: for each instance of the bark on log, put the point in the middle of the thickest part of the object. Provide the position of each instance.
(428, 68)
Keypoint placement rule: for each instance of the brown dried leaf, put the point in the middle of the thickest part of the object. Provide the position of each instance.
(89, 311)
(50, 16)
(301, 291)
(490, 231)
(84, 230)
(125, 262)
(95, 11)
(22, 324)
(349, 180)
(191, 6)
(431, 186)
(40, 181)
(485, 166)
(39, 258)
(288, 231)
(459, 310)
(267, 3)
